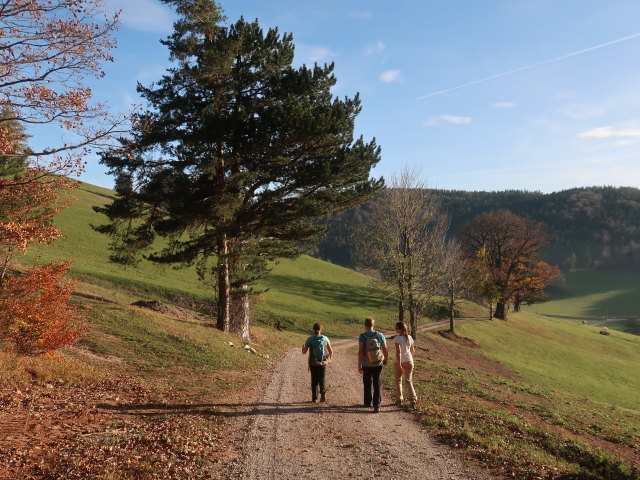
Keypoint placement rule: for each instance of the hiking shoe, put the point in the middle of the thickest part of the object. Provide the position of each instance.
(322, 398)
(376, 409)
(314, 400)
(399, 403)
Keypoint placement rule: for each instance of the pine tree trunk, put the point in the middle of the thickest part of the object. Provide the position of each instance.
(223, 284)
(501, 310)
(241, 309)
(490, 311)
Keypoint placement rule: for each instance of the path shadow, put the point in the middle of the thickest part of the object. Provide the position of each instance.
(231, 411)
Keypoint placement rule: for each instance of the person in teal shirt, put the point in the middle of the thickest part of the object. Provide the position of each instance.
(320, 352)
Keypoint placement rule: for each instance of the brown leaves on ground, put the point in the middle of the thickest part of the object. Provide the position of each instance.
(116, 428)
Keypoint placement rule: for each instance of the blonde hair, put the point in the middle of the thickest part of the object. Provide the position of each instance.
(369, 322)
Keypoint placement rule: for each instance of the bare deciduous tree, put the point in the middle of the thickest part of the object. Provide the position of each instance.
(401, 241)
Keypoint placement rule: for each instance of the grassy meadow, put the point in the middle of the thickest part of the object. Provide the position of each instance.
(594, 293)
(534, 397)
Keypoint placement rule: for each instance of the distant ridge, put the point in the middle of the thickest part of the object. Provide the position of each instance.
(589, 226)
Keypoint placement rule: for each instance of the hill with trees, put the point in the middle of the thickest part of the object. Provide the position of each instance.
(591, 226)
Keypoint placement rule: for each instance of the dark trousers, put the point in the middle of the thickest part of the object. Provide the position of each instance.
(317, 379)
(372, 375)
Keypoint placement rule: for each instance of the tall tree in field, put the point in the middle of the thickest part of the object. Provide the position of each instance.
(401, 241)
(512, 247)
(237, 155)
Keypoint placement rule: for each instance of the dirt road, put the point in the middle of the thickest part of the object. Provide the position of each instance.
(287, 437)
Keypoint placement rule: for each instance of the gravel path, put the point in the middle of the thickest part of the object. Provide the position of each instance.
(288, 437)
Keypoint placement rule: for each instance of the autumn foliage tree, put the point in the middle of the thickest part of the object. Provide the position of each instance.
(35, 313)
(48, 49)
(511, 249)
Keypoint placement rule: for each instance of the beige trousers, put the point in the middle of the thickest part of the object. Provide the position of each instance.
(408, 374)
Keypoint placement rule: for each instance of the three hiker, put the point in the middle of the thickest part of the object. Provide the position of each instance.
(320, 352)
(404, 363)
(372, 355)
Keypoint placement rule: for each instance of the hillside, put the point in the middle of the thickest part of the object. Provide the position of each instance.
(153, 391)
(298, 293)
(592, 226)
(535, 397)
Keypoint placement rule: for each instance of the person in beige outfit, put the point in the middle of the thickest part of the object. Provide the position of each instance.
(404, 363)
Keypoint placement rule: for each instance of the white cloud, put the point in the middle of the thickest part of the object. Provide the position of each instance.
(390, 76)
(375, 48)
(582, 112)
(456, 120)
(608, 132)
(502, 105)
(144, 15)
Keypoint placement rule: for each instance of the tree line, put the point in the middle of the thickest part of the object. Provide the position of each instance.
(588, 227)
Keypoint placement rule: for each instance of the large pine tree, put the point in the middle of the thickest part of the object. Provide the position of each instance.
(238, 155)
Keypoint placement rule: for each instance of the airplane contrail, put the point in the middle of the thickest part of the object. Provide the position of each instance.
(533, 65)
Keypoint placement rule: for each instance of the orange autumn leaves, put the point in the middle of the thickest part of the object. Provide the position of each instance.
(34, 310)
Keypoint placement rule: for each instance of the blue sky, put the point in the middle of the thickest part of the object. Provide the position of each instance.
(548, 97)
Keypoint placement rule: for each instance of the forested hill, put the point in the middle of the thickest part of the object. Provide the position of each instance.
(592, 226)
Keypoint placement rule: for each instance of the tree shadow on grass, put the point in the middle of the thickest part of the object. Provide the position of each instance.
(329, 292)
(230, 411)
(622, 305)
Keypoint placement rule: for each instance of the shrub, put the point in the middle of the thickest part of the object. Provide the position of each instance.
(35, 313)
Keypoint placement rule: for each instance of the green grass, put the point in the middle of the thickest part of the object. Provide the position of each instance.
(564, 356)
(557, 397)
(594, 293)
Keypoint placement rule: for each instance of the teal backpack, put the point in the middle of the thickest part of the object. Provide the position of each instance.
(318, 350)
